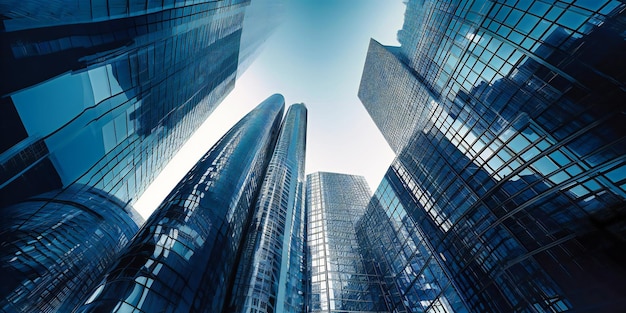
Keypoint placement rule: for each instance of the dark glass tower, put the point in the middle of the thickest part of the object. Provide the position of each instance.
(55, 247)
(271, 271)
(514, 170)
(104, 94)
(339, 279)
(183, 258)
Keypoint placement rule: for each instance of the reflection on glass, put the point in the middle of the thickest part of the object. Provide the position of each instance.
(107, 94)
(271, 272)
(514, 170)
(184, 257)
(56, 245)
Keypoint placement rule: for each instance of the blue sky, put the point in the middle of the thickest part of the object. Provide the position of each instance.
(316, 56)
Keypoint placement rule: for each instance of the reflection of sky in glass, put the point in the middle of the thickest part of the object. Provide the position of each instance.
(506, 153)
(69, 103)
(103, 83)
(425, 198)
(46, 107)
(415, 272)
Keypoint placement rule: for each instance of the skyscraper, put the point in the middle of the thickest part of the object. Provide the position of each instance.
(271, 271)
(55, 246)
(412, 278)
(100, 96)
(105, 94)
(514, 170)
(183, 258)
(339, 280)
(391, 92)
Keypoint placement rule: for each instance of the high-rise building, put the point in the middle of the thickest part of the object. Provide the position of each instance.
(412, 278)
(100, 96)
(391, 92)
(104, 94)
(56, 245)
(513, 168)
(183, 258)
(271, 272)
(338, 277)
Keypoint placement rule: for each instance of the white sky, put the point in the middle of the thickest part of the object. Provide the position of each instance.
(316, 57)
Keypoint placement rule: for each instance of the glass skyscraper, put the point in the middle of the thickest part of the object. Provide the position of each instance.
(183, 258)
(104, 93)
(99, 95)
(511, 168)
(338, 275)
(271, 271)
(55, 247)
(412, 278)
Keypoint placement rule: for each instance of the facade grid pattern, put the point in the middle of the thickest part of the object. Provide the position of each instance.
(517, 173)
(339, 280)
(101, 95)
(269, 264)
(118, 96)
(413, 279)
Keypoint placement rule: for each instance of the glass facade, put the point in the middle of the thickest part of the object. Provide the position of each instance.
(294, 289)
(270, 277)
(183, 258)
(103, 93)
(55, 246)
(516, 168)
(392, 95)
(338, 277)
(413, 280)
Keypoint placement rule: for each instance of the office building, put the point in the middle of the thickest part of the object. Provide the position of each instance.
(412, 278)
(271, 272)
(338, 275)
(392, 95)
(104, 94)
(100, 96)
(514, 170)
(183, 258)
(55, 247)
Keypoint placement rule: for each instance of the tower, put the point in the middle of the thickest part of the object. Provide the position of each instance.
(338, 274)
(97, 98)
(271, 271)
(56, 245)
(514, 167)
(183, 258)
(104, 96)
